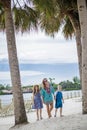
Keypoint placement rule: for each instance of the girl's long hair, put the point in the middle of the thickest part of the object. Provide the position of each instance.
(34, 89)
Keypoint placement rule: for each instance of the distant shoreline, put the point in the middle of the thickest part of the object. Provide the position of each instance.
(12, 93)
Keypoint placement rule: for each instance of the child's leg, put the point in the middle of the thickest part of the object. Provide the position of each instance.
(37, 113)
(40, 113)
(60, 111)
(55, 112)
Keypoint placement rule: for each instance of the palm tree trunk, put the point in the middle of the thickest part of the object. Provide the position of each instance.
(79, 51)
(19, 109)
(77, 30)
(82, 9)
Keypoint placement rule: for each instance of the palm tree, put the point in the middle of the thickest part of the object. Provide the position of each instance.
(22, 22)
(51, 81)
(76, 80)
(19, 109)
(82, 9)
(59, 13)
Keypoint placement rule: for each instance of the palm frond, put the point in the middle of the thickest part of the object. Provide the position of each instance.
(53, 13)
(68, 30)
(25, 19)
(46, 6)
(51, 25)
(2, 18)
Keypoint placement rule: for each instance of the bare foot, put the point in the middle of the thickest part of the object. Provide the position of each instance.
(61, 115)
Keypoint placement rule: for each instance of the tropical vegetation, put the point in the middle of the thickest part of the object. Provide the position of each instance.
(66, 86)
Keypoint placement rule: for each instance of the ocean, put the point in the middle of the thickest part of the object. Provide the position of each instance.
(34, 73)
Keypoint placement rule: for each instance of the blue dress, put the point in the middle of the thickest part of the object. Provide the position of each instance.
(58, 101)
(37, 101)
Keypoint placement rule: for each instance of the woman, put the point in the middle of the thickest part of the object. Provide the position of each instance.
(47, 95)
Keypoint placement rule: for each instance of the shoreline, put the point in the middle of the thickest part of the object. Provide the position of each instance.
(10, 93)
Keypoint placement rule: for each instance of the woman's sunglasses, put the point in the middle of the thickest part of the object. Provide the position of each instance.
(44, 81)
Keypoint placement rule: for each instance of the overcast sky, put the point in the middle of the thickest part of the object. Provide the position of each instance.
(38, 48)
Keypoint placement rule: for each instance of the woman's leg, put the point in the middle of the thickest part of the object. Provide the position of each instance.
(48, 110)
(55, 112)
(51, 106)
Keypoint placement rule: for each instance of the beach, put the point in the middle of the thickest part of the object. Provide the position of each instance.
(72, 120)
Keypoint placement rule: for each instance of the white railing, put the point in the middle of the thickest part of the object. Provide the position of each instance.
(72, 94)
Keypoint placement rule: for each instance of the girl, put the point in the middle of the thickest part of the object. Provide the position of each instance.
(47, 96)
(58, 100)
(37, 102)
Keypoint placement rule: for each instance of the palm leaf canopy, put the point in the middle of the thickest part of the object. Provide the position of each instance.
(24, 16)
(54, 14)
(49, 14)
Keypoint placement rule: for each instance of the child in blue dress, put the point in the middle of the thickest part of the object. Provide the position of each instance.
(58, 100)
(37, 102)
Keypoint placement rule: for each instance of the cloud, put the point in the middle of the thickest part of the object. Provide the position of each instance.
(6, 75)
(36, 47)
(49, 53)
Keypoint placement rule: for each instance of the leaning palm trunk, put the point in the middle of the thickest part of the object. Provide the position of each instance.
(77, 30)
(79, 51)
(19, 109)
(82, 9)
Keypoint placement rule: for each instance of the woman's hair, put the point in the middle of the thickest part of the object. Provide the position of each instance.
(44, 80)
(34, 89)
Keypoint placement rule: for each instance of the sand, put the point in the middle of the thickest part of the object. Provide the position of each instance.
(72, 120)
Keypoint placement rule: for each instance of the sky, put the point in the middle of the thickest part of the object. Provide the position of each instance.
(40, 56)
